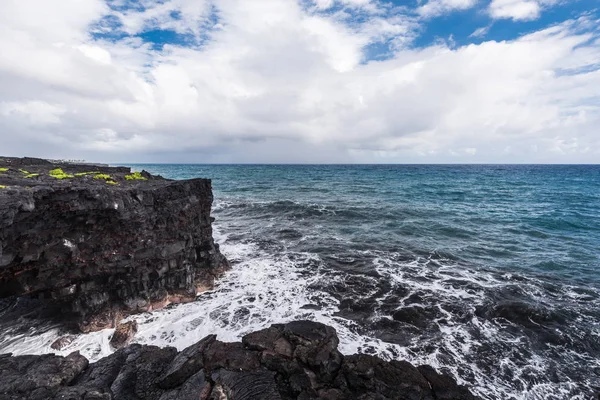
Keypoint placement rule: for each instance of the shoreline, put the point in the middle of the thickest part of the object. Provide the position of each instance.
(297, 360)
(430, 308)
(59, 200)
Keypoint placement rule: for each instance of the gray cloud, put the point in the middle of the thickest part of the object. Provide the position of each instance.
(278, 82)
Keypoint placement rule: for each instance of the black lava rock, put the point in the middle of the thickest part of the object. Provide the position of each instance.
(101, 241)
(256, 369)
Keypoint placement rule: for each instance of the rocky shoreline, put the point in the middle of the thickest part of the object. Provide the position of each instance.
(90, 245)
(298, 360)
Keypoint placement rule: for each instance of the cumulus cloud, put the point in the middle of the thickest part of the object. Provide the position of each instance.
(181, 16)
(434, 8)
(518, 10)
(284, 82)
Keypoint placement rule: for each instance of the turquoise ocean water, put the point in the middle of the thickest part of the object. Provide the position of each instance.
(488, 272)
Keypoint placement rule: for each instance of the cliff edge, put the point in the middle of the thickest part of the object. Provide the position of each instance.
(103, 242)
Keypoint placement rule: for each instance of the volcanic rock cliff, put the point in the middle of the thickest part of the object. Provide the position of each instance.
(103, 242)
(298, 360)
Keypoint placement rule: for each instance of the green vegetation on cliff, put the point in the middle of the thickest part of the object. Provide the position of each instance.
(135, 176)
(107, 178)
(58, 173)
(28, 174)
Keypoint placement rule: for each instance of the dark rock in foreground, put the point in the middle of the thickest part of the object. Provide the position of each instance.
(298, 360)
(103, 242)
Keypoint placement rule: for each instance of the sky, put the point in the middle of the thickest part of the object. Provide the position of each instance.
(301, 81)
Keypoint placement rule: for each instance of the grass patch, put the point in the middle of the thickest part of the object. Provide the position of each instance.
(136, 176)
(107, 178)
(58, 173)
(28, 174)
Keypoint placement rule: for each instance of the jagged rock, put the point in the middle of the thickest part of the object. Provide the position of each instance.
(38, 377)
(210, 369)
(231, 356)
(364, 374)
(263, 339)
(185, 364)
(103, 250)
(123, 334)
(62, 342)
(197, 387)
(247, 385)
(269, 339)
(137, 378)
(315, 345)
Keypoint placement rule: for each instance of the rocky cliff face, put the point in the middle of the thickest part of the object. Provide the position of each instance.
(101, 241)
(298, 360)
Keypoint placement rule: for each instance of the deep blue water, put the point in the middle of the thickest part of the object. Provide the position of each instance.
(491, 272)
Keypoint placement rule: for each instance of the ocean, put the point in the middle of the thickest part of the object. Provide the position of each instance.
(488, 272)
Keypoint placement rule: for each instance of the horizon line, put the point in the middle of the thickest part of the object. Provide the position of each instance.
(340, 164)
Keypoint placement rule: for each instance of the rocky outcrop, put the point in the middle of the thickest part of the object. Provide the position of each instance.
(101, 241)
(298, 360)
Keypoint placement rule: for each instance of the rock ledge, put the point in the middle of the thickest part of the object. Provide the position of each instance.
(298, 360)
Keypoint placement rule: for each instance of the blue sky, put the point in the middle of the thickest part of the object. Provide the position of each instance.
(457, 26)
(301, 81)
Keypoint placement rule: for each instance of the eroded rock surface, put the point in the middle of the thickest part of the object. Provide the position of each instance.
(298, 360)
(101, 241)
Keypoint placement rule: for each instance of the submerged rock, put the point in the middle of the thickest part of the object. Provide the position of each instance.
(298, 360)
(101, 241)
(123, 334)
(62, 342)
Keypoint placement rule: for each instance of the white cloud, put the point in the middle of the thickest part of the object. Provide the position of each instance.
(480, 32)
(191, 16)
(365, 5)
(324, 4)
(518, 10)
(49, 21)
(515, 9)
(434, 8)
(96, 53)
(282, 83)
